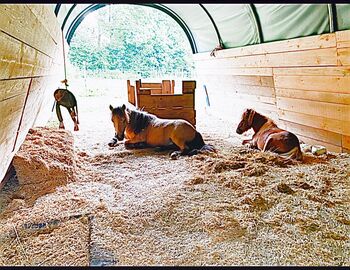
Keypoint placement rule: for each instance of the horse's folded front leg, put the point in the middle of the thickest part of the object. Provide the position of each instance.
(176, 154)
(113, 142)
(135, 145)
(246, 141)
(250, 144)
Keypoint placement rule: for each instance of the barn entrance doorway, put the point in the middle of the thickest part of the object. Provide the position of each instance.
(120, 42)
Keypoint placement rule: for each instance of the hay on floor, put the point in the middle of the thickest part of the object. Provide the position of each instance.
(44, 161)
(236, 207)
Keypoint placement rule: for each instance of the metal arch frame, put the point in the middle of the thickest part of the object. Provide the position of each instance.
(57, 9)
(257, 23)
(332, 16)
(80, 17)
(67, 16)
(180, 22)
(215, 26)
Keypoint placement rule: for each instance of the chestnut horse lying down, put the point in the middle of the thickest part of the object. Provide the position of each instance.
(142, 129)
(268, 137)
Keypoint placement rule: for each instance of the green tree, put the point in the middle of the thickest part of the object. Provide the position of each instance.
(131, 39)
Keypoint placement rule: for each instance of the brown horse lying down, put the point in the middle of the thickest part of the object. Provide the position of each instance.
(268, 137)
(142, 129)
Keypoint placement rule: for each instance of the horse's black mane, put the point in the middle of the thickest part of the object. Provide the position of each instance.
(139, 120)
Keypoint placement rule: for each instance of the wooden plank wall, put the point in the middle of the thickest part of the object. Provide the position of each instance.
(159, 99)
(303, 84)
(30, 60)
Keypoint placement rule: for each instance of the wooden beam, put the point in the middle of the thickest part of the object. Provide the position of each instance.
(334, 84)
(44, 14)
(343, 56)
(343, 39)
(166, 101)
(317, 57)
(188, 114)
(330, 147)
(329, 97)
(317, 121)
(244, 80)
(12, 19)
(208, 69)
(346, 141)
(313, 71)
(327, 110)
(311, 132)
(297, 44)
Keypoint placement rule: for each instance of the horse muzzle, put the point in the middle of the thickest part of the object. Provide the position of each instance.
(239, 131)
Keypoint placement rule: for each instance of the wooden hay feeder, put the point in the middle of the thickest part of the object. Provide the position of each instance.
(159, 99)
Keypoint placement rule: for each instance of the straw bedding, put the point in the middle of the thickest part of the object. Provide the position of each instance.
(44, 161)
(236, 207)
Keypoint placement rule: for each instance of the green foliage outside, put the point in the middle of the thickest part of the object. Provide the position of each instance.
(130, 40)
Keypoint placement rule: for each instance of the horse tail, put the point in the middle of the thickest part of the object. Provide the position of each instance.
(295, 152)
(197, 145)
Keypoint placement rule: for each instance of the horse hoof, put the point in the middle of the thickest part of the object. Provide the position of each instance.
(112, 144)
(174, 155)
(76, 128)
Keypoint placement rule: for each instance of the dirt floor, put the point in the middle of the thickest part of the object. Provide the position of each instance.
(124, 207)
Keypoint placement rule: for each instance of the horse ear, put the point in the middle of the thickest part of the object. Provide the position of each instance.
(111, 107)
(123, 107)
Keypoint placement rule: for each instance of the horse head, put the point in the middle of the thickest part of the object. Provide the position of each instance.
(246, 121)
(119, 119)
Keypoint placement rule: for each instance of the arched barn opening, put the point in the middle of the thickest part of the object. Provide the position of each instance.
(205, 134)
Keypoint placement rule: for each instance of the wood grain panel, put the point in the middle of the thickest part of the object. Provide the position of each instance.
(297, 44)
(343, 57)
(337, 126)
(181, 113)
(44, 14)
(338, 84)
(11, 89)
(319, 57)
(329, 147)
(245, 80)
(343, 39)
(313, 71)
(315, 133)
(10, 110)
(228, 88)
(207, 69)
(35, 97)
(346, 141)
(165, 101)
(327, 110)
(19, 22)
(19, 60)
(329, 97)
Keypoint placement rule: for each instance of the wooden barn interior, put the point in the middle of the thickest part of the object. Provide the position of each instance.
(289, 62)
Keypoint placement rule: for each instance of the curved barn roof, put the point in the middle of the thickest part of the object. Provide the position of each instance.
(232, 25)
